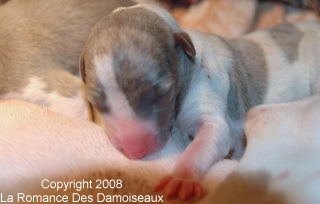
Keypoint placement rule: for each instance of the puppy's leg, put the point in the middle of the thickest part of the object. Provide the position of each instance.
(202, 115)
(210, 145)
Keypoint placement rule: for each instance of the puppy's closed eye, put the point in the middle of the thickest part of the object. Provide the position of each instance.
(165, 87)
(98, 100)
(102, 107)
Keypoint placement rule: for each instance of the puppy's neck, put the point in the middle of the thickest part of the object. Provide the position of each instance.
(185, 71)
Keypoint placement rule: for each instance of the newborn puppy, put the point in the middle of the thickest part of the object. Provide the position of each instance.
(40, 45)
(280, 164)
(143, 74)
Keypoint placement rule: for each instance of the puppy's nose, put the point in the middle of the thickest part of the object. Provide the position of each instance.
(134, 155)
(139, 146)
(135, 139)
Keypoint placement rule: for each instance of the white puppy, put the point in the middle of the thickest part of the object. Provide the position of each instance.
(143, 74)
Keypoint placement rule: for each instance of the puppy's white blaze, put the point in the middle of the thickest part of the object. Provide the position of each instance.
(121, 123)
(116, 100)
(120, 109)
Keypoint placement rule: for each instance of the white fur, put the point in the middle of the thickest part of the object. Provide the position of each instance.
(35, 92)
(287, 137)
(204, 110)
(310, 57)
(284, 76)
(206, 98)
(202, 114)
(120, 109)
(283, 144)
(119, 105)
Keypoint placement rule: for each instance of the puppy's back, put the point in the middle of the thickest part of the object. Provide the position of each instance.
(49, 33)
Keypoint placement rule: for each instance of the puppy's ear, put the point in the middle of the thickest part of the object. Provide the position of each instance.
(82, 68)
(184, 41)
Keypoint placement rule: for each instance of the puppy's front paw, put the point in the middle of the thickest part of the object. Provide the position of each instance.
(181, 188)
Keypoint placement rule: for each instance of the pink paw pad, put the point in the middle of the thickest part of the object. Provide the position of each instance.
(179, 188)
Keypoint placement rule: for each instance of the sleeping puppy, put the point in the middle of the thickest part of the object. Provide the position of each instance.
(144, 75)
(280, 164)
(40, 45)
